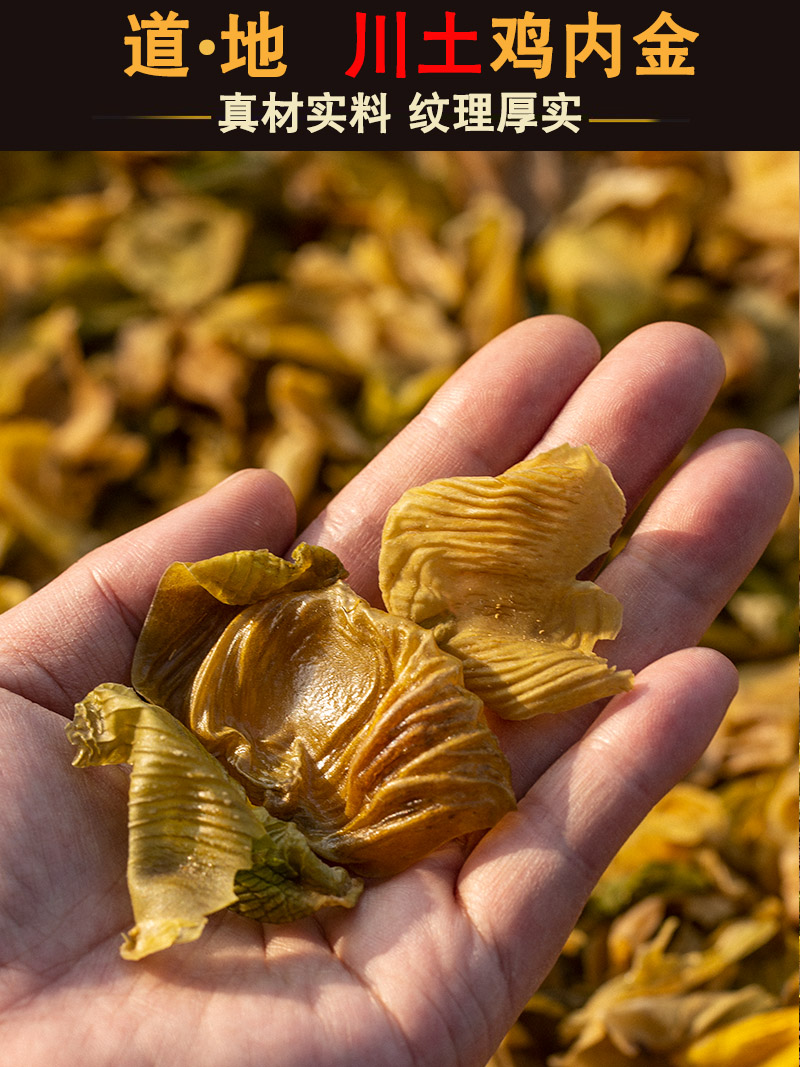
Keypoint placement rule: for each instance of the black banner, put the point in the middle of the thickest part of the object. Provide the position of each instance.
(465, 76)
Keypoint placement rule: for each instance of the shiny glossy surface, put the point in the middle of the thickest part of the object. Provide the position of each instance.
(346, 720)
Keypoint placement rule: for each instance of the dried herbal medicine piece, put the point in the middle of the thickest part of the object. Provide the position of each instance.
(196, 845)
(347, 721)
(489, 565)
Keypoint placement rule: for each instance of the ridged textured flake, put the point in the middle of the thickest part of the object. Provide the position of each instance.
(489, 565)
(347, 721)
(195, 843)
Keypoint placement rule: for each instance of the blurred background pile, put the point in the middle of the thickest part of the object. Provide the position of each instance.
(168, 318)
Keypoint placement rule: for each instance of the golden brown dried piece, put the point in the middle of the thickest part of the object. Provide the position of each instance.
(179, 251)
(349, 722)
(646, 1007)
(196, 845)
(489, 564)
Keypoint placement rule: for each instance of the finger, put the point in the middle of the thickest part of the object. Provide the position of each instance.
(81, 629)
(530, 877)
(485, 418)
(642, 403)
(700, 538)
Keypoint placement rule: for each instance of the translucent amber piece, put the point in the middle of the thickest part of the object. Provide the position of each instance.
(196, 845)
(350, 723)
(489, 564)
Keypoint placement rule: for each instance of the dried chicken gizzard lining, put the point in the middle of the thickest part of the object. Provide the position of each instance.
(489, 564)
(313, 740)
(347, 721)
(195, 843)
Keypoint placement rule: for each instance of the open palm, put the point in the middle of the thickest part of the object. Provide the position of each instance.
(434, 964)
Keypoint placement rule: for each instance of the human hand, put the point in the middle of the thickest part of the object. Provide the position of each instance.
(433, 965)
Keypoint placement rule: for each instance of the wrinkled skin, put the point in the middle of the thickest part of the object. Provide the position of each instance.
(434, 964)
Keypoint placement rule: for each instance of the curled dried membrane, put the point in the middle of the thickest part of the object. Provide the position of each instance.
(340, 717)
(489, 565)
(196, 845)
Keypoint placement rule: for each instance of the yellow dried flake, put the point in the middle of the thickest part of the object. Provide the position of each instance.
(763, 200)
(764, 1039)
(605, 260)
(177, 251)
(487, 240)
(195, 843)
(686, 819)
(369, 742)
(189, 833)
(760, 729)
(489, 565)
(12, 592)
(656, 1005)
(34, 493)
(309, 426)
